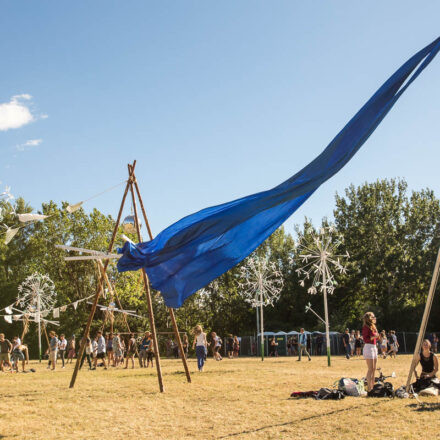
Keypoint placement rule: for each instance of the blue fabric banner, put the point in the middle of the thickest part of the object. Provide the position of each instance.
(189, 254)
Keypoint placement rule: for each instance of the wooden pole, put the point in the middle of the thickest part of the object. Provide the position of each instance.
(147, 287)
(425, 318)
(100, 287)
(171, 311)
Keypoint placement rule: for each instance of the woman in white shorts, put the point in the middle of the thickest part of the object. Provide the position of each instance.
(370, 335)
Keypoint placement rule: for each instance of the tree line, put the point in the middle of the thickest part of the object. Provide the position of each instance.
(392, 236)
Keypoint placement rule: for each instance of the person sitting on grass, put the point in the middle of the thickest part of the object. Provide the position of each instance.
(428, 360)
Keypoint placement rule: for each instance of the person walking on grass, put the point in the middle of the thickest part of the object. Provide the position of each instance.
(346, 342)
(273, 347)
(394, 345)
(216, 346)
(5, 351)
(200, 344)
(302, 345)
(117, 349)
(143, 347)
(131, 350)
(88, 353)
(17, 354)
(109, 348)
(150, 350)
(236, 347)
(100, 350)
(62, 345)
(53, 349)
(370, 335)
(71, 349)
(358, 343)
(230, 346)
(352, 342)
(185, 345)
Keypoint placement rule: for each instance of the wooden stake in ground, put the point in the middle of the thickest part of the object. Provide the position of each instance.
(171, 311)
(99, 288)
(425, 318)
(147, 288)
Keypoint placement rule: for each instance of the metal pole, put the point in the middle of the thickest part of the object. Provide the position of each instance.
(327, 331)
(258, 330)
(39, 325)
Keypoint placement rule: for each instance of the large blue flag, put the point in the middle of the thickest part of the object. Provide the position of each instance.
(200, 247)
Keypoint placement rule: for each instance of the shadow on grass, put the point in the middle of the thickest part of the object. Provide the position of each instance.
(302, 420)
(425, 406)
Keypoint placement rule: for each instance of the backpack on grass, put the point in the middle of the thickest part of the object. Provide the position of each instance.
(382, 390)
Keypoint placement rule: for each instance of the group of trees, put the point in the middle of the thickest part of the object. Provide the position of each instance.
(392, 238)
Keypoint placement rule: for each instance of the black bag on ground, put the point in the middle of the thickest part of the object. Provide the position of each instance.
(382, 390)
(328, 394)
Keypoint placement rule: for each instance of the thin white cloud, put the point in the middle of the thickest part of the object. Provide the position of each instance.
(17, 112)
(29, 144)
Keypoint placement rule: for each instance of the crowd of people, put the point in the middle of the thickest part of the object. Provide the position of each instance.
(114, 350)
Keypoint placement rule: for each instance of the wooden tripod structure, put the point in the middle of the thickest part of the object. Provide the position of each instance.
(425, 318)
(132, 186)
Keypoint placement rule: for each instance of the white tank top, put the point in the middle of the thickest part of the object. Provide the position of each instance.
(200, 339)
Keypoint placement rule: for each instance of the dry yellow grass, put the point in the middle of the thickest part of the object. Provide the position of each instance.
(232, 399)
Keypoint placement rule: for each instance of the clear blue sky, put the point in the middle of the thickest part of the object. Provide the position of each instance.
(216, 100)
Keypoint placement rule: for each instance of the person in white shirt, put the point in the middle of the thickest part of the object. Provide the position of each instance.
(62, 345)
(100, 351)
(201, 345)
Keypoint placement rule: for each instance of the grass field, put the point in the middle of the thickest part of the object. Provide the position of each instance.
(232, 399)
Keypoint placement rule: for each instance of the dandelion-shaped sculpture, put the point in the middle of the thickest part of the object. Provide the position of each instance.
(261, 287)
(37, 297)
(317, 252)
